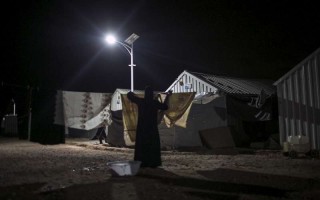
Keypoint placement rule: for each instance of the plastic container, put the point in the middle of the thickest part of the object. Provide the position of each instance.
(124, 168)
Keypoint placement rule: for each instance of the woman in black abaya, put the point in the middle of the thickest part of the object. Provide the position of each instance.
(147, 145)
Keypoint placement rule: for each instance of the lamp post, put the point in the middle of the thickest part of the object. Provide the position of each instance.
(128, 45)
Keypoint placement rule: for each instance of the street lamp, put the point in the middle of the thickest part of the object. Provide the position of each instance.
(128, 45)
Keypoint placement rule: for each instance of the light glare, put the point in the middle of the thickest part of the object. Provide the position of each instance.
(110, 39)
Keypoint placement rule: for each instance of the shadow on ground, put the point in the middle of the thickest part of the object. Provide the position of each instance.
(160, 184)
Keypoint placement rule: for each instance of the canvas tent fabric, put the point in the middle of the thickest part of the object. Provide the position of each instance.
(179, 108)
(82, 110)
(217, 138)
(116, 135)
(129, 116)
(116, 103)
(200, 117)
(216, 113)
(178, 114)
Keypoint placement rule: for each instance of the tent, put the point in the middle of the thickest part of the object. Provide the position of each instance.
(249, 105)
(82, 113)
(121, 131)
(206, 113)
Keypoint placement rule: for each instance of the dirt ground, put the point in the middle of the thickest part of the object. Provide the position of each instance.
(78, 170)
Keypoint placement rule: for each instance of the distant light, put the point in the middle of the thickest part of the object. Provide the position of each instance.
(110, 39)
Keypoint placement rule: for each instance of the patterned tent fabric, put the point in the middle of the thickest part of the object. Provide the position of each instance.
(83, 110)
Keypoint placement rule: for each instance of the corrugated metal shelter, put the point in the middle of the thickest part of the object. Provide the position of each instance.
(299, 101)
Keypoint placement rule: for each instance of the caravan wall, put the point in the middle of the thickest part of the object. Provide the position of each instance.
(299, 101)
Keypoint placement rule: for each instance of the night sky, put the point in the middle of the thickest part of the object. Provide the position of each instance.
(60, 44)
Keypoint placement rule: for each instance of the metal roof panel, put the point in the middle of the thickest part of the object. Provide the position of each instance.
(237, 86)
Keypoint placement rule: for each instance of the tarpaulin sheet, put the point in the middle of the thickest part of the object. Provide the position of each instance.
(129, 116)
(179, 107)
